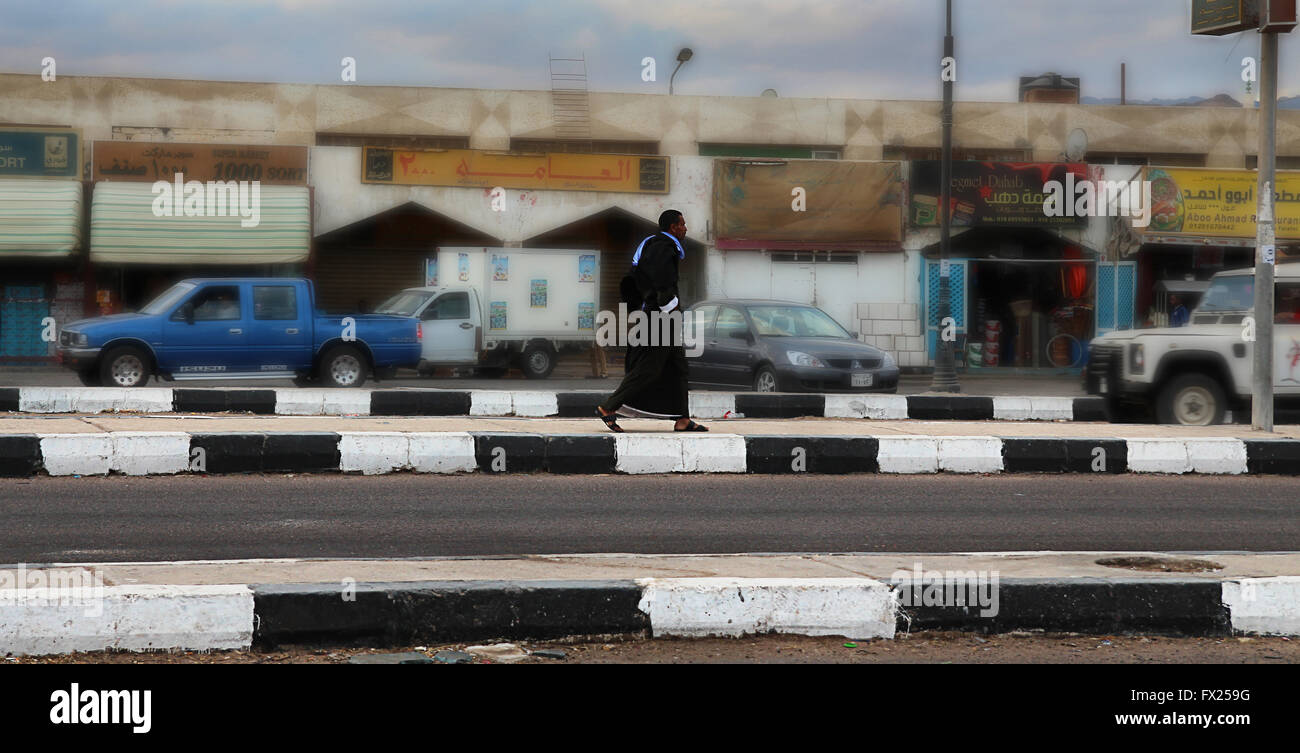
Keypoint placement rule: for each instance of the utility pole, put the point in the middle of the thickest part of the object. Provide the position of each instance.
(1261, 413)
(945, 371)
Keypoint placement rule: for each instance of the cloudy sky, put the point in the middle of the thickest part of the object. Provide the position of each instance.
(873, 49)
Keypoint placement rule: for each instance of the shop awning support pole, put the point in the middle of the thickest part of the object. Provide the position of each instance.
(1261, 414)
(945, 370)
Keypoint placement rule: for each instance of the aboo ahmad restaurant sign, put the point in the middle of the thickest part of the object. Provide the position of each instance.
(468, 168)
(149, 161)
(1006, 194)
(1218, 202)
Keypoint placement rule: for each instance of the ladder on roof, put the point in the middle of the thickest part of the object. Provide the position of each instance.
(570, 109)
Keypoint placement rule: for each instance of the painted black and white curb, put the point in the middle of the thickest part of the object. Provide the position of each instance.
(141, 618)
(433, 402)
(377, 452)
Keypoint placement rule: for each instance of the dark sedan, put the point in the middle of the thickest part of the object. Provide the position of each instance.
(778, 346)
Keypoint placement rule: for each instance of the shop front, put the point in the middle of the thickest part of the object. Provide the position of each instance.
(42, 207)
(1023, 284)
(227, 210)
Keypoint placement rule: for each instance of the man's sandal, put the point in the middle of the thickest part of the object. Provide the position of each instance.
(611, 420)
(692, 426)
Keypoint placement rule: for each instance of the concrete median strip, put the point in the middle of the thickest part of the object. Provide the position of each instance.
(241, 616)
(536, 403)
(379, 452)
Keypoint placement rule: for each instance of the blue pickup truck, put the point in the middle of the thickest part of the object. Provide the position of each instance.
(238, 328)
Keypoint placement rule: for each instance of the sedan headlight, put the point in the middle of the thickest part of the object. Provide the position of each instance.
(888, 362)
(799, 358)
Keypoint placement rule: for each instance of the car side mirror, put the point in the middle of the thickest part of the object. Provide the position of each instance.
(187, 312)
(854, 334)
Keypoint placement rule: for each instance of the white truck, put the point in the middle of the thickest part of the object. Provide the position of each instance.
(494, 308)
(1195, 374)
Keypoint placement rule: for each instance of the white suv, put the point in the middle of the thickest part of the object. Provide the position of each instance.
(1194, 374)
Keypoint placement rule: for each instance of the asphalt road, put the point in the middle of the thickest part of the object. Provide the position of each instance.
(404, 515)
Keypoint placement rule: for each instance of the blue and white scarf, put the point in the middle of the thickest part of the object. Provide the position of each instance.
(681, 252)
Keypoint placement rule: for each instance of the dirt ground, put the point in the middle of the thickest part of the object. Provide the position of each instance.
(925, 647)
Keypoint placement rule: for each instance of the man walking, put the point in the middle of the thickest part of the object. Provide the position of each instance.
(656, 382)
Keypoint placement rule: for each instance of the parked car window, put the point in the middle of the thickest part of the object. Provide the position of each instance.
(215, 304)
(1287, 303)
(730, 320)
(794, 321)
(275, 302)
(405, 303)
(449, 306)
(1229, 293)
(704, 314)
(167, 299)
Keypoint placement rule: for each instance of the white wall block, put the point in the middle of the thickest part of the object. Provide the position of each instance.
(908, 311)
(862, 311)
(341, 402)
(910, 343)
(1051, 408)
(712, 404)
(140, 453)
(1148, 455)
(911, 328)
(1216, 455)
(1268, 606)
(883, 311)
(970, 454)
(908, 454)
(441, 452)
(648, 453)
(885, 342)
(882, 407)
(300, 402)
(490, 403)
(866, 328)
(857, 608)
(535, 404)
(79, 454)
(130, 618)
(1011, 408)
(713, 453)
(373, 452)
(888, 327)
(45, 399)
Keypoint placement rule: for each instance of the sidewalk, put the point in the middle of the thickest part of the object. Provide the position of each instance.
(268, 603)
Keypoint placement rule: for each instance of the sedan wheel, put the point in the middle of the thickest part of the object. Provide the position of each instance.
(765, 380)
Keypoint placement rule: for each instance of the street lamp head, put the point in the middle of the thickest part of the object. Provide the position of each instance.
(684, 55)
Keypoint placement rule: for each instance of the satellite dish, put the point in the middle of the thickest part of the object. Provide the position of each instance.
(1076, 146)
(768, 93)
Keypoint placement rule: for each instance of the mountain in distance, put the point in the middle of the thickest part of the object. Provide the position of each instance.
(1218, 100)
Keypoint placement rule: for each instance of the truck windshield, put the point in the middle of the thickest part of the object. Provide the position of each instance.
(1231, 293)
(168, 299)
(405, 303)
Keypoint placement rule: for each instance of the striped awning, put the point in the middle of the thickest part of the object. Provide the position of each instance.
(39, 217)
(124, 228)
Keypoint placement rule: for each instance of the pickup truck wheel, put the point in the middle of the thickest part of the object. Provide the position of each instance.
(538, 362)
(1191, 400)
(126, 366)
(343, 366)
(89, 378)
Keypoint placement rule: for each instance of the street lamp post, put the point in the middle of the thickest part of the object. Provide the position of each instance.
(945, 371)
(1261, 409)
(682, 57)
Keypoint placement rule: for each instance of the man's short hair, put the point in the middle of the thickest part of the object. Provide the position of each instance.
(669, 218)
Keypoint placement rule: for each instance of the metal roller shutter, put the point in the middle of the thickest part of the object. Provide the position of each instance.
(346, 276)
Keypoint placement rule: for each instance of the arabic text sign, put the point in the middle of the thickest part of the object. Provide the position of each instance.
(476, 169)
(148, 161)
(1224, 16)
(52, 153)
(1218, 202)
(1005, 194)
